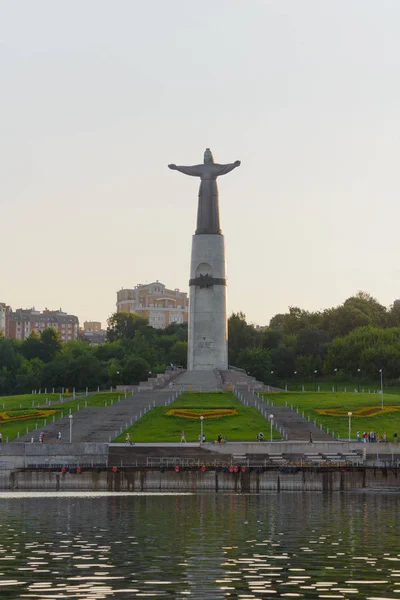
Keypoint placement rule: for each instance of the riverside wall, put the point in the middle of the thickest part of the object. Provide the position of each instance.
(142, 479)
(21, 455)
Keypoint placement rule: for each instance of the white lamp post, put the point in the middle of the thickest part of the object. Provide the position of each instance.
(381, 372)
(358, 371)
(271, 419)
(315, 380)
(201, 429)
(335, 384)
(70, 428)
(349, 415)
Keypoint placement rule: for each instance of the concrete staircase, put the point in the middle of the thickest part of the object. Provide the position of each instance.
(294, 426)
(239, 380)
(100, 424)
(199, 381)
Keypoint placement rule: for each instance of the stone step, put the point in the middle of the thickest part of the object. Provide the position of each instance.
(198, 381)
(293, 425)
(100, 424)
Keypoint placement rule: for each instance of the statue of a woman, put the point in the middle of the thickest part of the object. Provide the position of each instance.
(208, 208)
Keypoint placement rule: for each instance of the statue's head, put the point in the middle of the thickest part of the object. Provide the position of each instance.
(208, 157)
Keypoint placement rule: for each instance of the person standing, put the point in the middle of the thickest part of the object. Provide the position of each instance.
(183, 440)
(310, 437)
(127, 439)
(1, 438)
(59, 436)
(395, 437)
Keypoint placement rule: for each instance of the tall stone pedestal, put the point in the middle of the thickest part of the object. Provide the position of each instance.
(208, 334)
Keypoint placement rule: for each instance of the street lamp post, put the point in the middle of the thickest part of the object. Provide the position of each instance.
(315, 380)
(295, 373)
(271, 419)
(349, 415)
(358, 371)
(381, 372)
(70, 428)
(335, 382)
(201, 429)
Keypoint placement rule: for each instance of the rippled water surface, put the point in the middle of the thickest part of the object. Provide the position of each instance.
(200, 546)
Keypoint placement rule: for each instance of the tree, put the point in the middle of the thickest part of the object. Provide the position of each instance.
(357, 311)
(124, 325)
(51, 343)
(312, 341)
(394, 315)
(277, 321)
(271, 338)
(297, 319)
(178, 354)
(111, 350)
(256, 362)
(306, 365)
(179, 330)
(240, 335)
(367, 349)
(135, 370)
(85, 371)
(282, 360)
(29, 375)
(44, 346)
(32, 347)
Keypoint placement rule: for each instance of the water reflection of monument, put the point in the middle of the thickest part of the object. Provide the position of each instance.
(208, 334)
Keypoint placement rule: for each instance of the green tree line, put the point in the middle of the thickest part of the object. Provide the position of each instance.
(353, 340)
(132, 351)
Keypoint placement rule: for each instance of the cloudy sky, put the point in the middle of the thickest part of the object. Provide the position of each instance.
(97, 97)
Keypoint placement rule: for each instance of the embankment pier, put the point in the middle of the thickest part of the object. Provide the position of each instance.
(233, 467)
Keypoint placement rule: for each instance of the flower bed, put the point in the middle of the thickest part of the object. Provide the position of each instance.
(210, 413)
(363, 411)
(17, 415)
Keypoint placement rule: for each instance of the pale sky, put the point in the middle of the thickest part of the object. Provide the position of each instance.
(98, 96)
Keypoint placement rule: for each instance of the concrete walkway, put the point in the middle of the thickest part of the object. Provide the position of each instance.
(293, 424)
(100, 424)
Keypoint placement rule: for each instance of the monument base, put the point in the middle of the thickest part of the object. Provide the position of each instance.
(208, 335)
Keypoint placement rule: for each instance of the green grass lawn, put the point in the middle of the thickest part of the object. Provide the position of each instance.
(157, 426)
(312, 403)
(340, 386)
(27, 400)
(55, 410)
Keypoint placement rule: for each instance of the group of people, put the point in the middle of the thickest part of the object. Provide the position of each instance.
(373, 436)
(202, 438)
(41, 437)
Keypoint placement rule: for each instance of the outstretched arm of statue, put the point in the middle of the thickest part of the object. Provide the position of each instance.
(224, 169)
(194, 171)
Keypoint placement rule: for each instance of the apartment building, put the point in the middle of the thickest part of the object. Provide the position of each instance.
(4, 310)
(160, 305)
(92, 326)
(22, 322)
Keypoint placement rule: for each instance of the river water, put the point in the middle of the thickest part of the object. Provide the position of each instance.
(295, 545)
